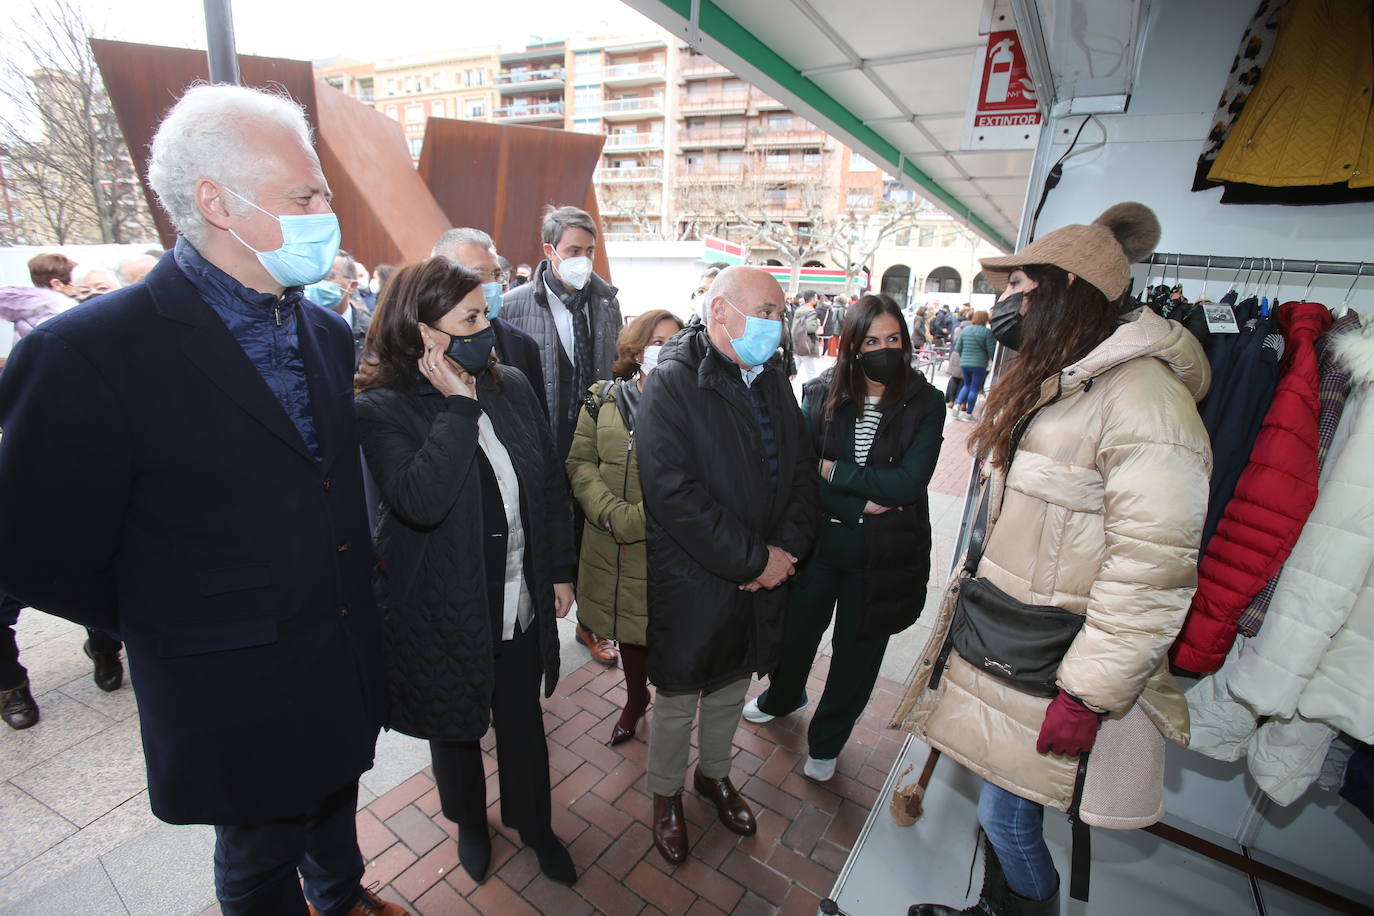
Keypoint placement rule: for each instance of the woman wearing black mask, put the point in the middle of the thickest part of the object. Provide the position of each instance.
(475, 552)
(876, 424)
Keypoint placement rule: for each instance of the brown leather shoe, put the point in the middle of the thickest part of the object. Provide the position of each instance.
(670, 828)
(603, 650)
(369, 904)
(730, 805)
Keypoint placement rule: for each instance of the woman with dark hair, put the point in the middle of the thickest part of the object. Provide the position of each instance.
(876, 424)
(604, 470)
(475, 552)
(1095, 504)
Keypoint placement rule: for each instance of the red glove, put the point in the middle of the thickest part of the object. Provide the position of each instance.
(1070, 728)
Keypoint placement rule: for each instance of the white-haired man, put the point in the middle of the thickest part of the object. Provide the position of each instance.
(730, 483)
(133, 269)
(200, 427)
(473, 249)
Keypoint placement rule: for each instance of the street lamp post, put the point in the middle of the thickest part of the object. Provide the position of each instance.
(219, 36)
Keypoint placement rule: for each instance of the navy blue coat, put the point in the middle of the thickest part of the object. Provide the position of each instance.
(153, 486)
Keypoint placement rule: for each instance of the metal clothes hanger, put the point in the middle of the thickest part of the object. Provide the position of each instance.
(1316, 269)
(1345, 303)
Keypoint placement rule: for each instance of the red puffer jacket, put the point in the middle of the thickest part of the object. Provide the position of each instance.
(1273, 498)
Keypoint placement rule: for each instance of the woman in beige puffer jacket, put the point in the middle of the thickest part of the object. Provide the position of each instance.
(1099, 513)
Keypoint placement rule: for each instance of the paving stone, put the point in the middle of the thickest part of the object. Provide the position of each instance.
(806, 829)
(668, 895)
(553, 898)
(85, 889)
(91, 778)
(443, 900)
(811, 875)
(416, 829)
(28, 828)
(756, 876)
(711, 883)
(63, 723)
(607, 894)
(168, 869)
(494, 897)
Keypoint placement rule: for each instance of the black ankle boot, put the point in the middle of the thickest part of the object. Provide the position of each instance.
(991, 899)
(474, 851)
(554, 860)
(109, 669)
(17, 707)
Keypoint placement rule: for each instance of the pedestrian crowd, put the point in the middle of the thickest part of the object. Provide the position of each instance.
(308, 502)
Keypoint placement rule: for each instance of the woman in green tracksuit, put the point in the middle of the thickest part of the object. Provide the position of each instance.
(877, 426)
(604, 472)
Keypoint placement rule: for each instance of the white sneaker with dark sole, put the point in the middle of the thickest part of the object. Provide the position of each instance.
(752, 713)
(820, 770)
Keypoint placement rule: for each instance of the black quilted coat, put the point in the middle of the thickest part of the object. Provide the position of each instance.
(713, 511)
(422, 449)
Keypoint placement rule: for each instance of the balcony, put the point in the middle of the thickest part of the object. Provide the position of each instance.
(629, 174)
(762, 136)
(635, 141)
(531, 80)
(632, 109)
(728, 173)
(642, 74)
(701, 137)
(714, 103)
(790, 173)
(524, 114)
(766, 103)
(699, 66)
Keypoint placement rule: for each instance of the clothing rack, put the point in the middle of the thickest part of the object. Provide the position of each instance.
(1273, 265)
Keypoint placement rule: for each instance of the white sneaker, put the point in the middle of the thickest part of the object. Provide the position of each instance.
(752, 713)
(966, 417)
(820, 770)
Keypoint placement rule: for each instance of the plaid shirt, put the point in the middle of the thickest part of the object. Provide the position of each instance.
(1331, 394)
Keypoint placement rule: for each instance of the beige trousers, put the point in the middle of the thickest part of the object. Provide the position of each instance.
(671, 736)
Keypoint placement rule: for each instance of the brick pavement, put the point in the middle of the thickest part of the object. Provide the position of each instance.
(951, 474)
(602, 811)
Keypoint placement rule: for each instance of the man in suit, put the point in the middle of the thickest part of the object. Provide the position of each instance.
(473, 249)
(180, 466)
(338, 292)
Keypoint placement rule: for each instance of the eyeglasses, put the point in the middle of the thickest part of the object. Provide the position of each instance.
(497, 275)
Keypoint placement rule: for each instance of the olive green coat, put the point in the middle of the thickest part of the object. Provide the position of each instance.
(604, 470)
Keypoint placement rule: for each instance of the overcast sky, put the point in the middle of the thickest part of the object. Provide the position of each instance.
(310, 29)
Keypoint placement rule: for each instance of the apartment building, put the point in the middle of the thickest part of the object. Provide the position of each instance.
(448, 84)
(353, 78)
(531, 85)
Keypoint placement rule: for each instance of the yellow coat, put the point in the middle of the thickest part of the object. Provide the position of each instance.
(1308, 121)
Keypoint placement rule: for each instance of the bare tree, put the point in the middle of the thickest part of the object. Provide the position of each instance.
(860, 231)
(67, 161)
(753, 205)
(633, 194)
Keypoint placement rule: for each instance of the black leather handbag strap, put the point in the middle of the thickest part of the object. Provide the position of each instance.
(977, 538)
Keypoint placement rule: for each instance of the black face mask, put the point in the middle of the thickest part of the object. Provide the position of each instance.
(472, 352)
(882, 366)
(1006, 320)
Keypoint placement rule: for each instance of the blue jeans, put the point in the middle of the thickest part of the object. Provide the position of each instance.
(1015, 827)
(256, 865)
(973, 383)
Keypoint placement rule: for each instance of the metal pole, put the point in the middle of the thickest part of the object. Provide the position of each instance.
(219, 48)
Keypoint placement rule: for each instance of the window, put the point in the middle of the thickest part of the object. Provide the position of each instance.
(775, 195)
(391, 112)
(695, 123)
(391, 86)
(436, 108)
(587, 65)
(416, 143)
(902, 238)
(587, 99)
(695, 162)
(982, 286)
(438, 81)
(415, 113)
(858, 163)
(731, 157)
(943, 280)
(474, 108)
(859, 200)
(587, 125)
(697, 90)
(778, 161)
(811, 157)
(780, 122)
(926, 237)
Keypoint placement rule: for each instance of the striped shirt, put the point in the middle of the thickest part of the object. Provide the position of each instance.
(864, 429)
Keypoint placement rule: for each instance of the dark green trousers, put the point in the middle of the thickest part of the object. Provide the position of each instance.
(831, 580)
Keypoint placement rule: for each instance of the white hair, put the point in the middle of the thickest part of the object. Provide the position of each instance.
(81, 271)
(451, 240)
(204, 136)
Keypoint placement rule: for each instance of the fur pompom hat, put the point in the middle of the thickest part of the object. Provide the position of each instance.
(1101, 253)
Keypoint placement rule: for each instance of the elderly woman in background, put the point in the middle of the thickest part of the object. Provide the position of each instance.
(476, 555)
(604, 470)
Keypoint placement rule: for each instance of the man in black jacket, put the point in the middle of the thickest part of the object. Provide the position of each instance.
(474, 250)
(730, 483)
(180, 466)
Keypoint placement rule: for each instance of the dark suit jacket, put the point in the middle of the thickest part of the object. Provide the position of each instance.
(153, 486)
(516, 348)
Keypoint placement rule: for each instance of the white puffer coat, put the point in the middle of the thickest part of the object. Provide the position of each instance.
(1102, 515)
(1309, 666)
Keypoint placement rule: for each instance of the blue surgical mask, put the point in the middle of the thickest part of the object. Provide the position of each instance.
(309, 243)
(760, 340)
(492, 292)
(324, 294)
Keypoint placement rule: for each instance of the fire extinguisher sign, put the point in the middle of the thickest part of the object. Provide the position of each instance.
(1003, 112)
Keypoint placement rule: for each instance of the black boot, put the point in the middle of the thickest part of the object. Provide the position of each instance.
(474, 851)
(554, 860)
(991, 899)
(17, 707)
(109, 670)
